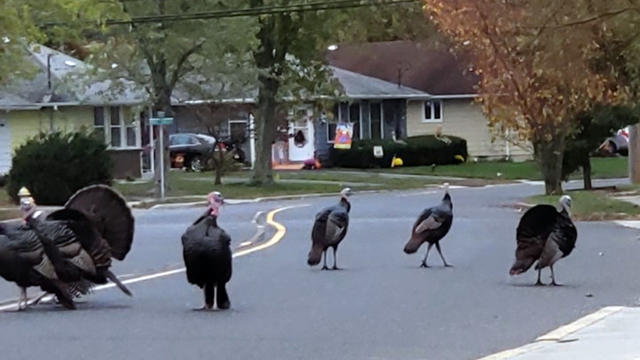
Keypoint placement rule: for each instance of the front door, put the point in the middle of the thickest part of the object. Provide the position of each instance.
(5, 146)
(301, 142)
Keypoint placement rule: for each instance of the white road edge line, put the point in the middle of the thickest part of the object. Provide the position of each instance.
(557, 334)
(280, 232)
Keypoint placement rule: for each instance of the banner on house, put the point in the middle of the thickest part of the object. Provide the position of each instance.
(344, 134)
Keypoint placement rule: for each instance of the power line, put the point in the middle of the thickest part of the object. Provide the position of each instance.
(257, 11)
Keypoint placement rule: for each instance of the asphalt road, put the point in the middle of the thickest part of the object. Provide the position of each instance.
(381, 306)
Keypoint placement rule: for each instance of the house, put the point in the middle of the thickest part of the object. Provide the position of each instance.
(58, 97)
(391, 90)
(446, 93)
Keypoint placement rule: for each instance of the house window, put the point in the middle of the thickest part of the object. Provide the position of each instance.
(98, 121)
(115, 126)
(131, 126)
(432, 111)
(119, 129)
(238, 131)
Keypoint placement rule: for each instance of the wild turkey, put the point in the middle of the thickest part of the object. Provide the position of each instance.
(329, 228)
(207, 255)
(545, 234)
(23, 261)
(78, 241)
(432, 225)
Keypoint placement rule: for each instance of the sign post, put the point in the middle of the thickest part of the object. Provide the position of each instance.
(161, 120)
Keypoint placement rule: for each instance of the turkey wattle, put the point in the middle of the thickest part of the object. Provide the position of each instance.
(330, 227)
(545, 234)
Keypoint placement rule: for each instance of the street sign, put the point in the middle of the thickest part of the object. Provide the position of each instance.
(161, 121)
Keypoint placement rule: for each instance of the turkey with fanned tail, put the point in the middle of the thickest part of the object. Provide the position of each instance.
(431, 226)
(545, 234)
(78, 241)
(330, 227)
(207, 255)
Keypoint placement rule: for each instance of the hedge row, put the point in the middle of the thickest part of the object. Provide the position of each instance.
(414, 151)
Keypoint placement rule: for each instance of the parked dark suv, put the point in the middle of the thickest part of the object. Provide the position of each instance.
(190, 150)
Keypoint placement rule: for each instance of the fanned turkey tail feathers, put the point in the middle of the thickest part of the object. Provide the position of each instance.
(109, 214)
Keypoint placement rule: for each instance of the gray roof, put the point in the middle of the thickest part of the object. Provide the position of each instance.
(358, 86)
(73, 82)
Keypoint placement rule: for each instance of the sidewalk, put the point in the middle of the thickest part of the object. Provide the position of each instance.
(611, 333)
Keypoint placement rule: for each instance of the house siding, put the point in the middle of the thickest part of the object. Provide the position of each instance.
(28, 123)
(460, 117)
(25, 124)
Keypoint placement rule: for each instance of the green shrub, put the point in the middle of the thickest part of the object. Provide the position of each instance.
(54, 166)
(414, 151)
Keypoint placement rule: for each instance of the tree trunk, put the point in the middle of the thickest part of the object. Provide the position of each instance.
(549, 155)
(265, 128)
(586, 173)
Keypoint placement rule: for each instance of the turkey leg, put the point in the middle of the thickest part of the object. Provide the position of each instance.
(325, 267)
(553, 277)
(335, 260)
(424, 261)
(539, 283)
(222, 299)
(442, 257)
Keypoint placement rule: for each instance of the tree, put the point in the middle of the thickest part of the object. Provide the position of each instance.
(536, 72)
(214, 120)
(591, 129)
(290, 59)
(21, 25)
(163, 55)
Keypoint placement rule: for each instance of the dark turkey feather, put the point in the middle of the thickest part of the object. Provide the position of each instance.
(110, 215)
(431, 226)
(207, 257)
(543, 235)
(23, 260)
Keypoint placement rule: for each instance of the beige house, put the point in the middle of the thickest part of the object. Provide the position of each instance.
(442, 94)
(462, 117)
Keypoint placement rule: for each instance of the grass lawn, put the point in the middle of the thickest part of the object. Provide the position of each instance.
(236, 186)
(593, 205)
(601, 168)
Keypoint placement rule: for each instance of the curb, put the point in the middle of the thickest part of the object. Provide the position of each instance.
(558, 335)
(254, 200)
